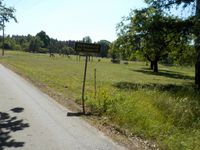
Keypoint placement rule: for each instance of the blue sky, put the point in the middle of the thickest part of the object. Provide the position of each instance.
(70, 19)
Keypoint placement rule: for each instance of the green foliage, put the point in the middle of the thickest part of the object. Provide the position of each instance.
(35, 44)
(87, 39)
(193, 26)
(113, 51)
(105, 45)
(6, 14)
(42, 50)
(44, 38)
(10, 44)
(169, 3)
(157, 36)
(122, 48)
(183, 56)
(25, 47)
(65, 50)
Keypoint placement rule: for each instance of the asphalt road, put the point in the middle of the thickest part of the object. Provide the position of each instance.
(31, 120)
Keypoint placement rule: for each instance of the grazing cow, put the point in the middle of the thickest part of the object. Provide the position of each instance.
(52, 55)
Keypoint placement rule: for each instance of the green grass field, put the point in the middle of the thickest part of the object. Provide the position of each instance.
(163, 107)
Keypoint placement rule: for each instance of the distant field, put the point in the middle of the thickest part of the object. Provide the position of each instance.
(162, 107)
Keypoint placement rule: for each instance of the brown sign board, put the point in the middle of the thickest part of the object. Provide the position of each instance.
(87, 48)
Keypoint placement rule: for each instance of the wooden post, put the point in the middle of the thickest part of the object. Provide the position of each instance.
(83, 89)
(95, 83)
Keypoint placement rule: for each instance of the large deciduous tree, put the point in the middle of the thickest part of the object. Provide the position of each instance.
(167, 4)
(153, 34)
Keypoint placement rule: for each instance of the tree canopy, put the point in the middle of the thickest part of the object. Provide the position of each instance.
(87, 39)
(152, 33)
(6, 14)
(195, 15)
(44, 38)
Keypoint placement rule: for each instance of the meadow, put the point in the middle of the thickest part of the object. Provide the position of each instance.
(162, 107)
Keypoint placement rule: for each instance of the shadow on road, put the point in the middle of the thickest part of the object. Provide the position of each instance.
(17, 110)
(8, 124)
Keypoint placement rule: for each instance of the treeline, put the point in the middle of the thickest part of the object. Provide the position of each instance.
(42, 43)
(158, 44)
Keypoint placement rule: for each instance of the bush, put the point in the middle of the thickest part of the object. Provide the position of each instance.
(42, 50)
(115, 61)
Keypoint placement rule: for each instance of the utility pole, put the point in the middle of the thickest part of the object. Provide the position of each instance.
(3, 38)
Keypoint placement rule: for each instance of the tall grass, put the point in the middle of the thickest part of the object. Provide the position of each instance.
(171, 118)
(163, 107)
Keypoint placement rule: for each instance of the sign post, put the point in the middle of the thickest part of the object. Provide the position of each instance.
(83, 88)
(87, 50)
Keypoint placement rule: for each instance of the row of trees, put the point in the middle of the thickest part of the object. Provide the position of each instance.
(42, 43)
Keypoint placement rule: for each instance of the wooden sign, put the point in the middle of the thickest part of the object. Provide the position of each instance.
(87, 48)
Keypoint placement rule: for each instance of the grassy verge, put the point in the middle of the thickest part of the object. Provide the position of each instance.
(163, 107)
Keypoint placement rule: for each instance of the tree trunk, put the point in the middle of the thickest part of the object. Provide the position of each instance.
(155, 66)
(151, 65)
(197, 45)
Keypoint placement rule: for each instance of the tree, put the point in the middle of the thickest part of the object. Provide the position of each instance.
(35, 44)
(11, 44)
(153, 33)
(105, 45)
(121, 48)
(87, 39)
(163, 4)
(148, 32)
(65, 50)
(113, 51)
(153, 36)
(44, 38)
(6, 13)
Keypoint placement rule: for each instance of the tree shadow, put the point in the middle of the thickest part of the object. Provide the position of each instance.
(172, 88)
(9, 124)
(165, 73)
(77, 114)
(17, 110)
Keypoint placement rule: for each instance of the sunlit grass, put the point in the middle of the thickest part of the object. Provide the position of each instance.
(164, 107)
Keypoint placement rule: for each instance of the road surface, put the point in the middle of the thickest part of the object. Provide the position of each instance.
(31, 120)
